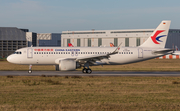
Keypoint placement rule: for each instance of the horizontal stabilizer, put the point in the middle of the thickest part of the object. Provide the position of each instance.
(164, 51)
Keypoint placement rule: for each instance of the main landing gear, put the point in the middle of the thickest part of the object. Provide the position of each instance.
(30, 69)
(86, 70)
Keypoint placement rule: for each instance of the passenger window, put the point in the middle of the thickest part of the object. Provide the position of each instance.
(131, 52)
(95, 52)
(39, 52)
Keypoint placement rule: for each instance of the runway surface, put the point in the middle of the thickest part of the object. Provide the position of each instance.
(94, 73)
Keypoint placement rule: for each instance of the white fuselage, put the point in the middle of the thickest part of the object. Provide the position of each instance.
(48, 55)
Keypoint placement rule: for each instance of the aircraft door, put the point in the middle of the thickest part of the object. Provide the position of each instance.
(140, 53)
(29, 53)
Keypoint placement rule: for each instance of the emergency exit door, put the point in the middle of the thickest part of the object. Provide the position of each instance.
(140, 53)
(29, 53)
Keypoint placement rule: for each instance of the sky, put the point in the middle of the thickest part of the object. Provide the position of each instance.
(55, 16)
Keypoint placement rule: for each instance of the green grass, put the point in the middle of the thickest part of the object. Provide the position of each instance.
(150, 65)
(89, 93)
(2, 59)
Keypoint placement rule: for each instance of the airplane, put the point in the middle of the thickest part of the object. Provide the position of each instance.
(71, 58)
(176, 52)
(176, 48)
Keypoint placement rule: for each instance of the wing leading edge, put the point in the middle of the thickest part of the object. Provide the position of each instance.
(92, 59)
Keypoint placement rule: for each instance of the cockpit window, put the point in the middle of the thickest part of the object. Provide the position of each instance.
(17, 52)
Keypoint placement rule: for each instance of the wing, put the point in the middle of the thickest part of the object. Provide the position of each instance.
(92, 59)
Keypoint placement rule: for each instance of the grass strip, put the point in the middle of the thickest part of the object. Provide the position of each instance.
(73, 93)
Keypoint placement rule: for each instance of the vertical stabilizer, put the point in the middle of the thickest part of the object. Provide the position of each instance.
(159, 36)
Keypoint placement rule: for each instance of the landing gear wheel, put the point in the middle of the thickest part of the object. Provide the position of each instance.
(30, 71)
(88, 71)
(84, 70)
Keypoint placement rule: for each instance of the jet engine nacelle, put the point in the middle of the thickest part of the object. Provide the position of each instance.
(68, 65)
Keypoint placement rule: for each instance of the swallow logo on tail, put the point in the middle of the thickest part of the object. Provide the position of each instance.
(155, 38)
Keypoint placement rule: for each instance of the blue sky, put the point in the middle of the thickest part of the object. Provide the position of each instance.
(55, 16)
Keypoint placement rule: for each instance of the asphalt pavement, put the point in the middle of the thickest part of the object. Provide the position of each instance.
(94, 73)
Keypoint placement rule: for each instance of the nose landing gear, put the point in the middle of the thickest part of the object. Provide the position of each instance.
(30, 69)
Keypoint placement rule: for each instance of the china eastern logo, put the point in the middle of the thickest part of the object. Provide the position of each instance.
(155, 38)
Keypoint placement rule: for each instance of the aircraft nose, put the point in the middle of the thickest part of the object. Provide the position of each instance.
(9, 58)
(12, 59)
